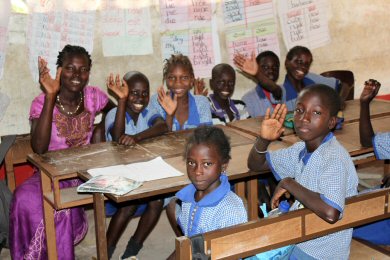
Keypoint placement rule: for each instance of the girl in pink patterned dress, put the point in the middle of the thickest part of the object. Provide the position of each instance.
(61, 117)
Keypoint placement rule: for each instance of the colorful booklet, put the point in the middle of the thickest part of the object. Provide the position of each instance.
(117, 185)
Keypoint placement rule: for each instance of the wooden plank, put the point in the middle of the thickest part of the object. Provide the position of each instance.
(265, 237)
(378, 108)
(100, 226)
(183, 248)
(69, 198)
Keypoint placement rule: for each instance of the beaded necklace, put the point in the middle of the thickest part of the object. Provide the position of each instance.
(69, 113)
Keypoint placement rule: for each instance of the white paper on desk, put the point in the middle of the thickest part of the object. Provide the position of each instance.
(143, 171)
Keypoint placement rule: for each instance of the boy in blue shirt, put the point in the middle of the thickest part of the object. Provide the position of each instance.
(318, 172)
(132, 121)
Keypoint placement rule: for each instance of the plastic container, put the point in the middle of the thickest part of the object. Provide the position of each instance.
(284, 207)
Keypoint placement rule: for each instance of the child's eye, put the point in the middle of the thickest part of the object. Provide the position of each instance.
(317, 113)
(207, 164)
(191, 163)
(171, 78)
(84, 69)
(145, 94)
(69, 68)
(184, 78)
(298, 110)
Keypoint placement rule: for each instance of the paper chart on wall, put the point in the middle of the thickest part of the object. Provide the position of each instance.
(304, 23)
(5, 13)
(48, 32)
(250, 26)
(189, 28)
(126, 29)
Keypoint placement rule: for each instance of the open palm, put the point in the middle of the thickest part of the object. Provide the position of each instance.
(166, 101)
(118, 86)
(272, 126)
(50, 85)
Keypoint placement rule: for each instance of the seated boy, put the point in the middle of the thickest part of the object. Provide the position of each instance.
(132, 121)
(318, 171)
(223, 108)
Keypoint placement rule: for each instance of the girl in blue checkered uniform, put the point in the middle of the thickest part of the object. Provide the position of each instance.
(131, 122)
(377, 232)
(207, 203)
(318, 171)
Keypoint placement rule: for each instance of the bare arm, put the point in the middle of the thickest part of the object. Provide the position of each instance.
(250, 66)
(159, 127)
(310, 199)
(121, 90)
(271, 128)
(41, 127)
(370, 90)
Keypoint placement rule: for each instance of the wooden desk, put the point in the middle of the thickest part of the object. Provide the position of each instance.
(65, 164)
(378, 108)
(348, 136)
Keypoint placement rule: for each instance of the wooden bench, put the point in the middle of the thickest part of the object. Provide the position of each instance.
(294, 227)
(17, 154)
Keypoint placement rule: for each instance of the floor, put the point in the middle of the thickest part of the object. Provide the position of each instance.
(161, 241)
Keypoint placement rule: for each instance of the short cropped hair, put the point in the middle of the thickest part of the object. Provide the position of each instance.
(264, 54)
(327, 94)
(210, 135)
(135, 76)
(298, 50)
(222, 67)
(69, 50)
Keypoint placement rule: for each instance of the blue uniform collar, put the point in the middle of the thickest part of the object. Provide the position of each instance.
(193, 115)
(304, 155)
(128, 117)
(220, 112)
(291, 92)
(187, 194)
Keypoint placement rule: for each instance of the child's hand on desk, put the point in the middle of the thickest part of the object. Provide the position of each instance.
(127, 140)
(278, 193)
(370, 90)
(272, 126)
(117, 86)
(50, 85)
(247, 65)
(166, 101)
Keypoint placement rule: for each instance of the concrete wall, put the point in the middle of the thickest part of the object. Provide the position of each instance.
(359, 42)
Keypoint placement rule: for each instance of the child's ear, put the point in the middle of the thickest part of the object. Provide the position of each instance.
(224, 166)
(332, 122)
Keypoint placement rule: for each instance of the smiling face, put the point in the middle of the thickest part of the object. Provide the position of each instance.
(75, 72)
(179, 80)
(204, 167)
(298, 66)
(312, 119)
(223, 84)
(138, 97)
(269, 66)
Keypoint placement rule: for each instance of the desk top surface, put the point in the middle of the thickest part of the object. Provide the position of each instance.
(348, 136)
(67, 162)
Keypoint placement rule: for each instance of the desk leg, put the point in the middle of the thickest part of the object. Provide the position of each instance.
(240, 189)
(252, 199)
(48, 211)
(100, 226)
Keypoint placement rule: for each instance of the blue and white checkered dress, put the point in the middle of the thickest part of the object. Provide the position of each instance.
(329, 171)
(381, 143)
(219, 209)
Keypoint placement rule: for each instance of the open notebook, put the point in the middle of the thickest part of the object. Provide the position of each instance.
(121, 179)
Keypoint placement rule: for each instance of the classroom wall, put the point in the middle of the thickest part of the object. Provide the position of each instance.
(359, 42)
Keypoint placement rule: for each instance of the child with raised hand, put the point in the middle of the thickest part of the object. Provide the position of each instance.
(180, 109)
(131, 122)
(223, 108)
(377, 232)
(207, 203)
(257, 100)
(318, 171)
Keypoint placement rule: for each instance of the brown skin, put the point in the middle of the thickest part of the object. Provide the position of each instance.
(313, 122)
(70, 80)
(133, 98)
(250, 67)
(179, 81)
(297, 68)
(366, 131)
(222, 85)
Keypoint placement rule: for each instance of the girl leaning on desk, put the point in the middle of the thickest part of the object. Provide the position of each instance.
(61, 117)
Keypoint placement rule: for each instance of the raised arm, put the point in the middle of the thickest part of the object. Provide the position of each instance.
(41, 127)
(121, 90)
(370, 90)
(169, 104)
(200, 87)
(310, 199)
(250, 66)
(271, 129)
